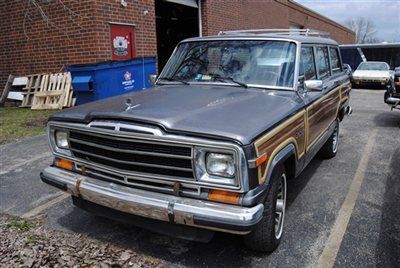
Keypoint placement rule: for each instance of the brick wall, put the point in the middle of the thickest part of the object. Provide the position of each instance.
(82, 35)
(220, 15)
(76, 37)
(141, 13)
(252, 14)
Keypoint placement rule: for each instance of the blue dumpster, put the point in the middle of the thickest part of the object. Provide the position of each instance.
(98, 81)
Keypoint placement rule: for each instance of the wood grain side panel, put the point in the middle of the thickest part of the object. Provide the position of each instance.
(292, 130)
(345, 92)
(321, 115)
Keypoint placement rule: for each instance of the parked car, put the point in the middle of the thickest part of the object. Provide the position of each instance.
(372, 73)
(392, 94)
(230, 119)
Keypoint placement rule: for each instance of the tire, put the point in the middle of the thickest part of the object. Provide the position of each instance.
(268, 232)
(330, 147)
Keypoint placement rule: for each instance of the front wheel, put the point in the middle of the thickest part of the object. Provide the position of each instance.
(330, 148)
(268, 233)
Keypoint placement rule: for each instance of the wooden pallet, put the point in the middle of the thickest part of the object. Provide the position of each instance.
(33, 85)
(6, 89)
(55, 92)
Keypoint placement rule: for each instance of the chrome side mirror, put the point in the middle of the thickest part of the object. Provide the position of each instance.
(347, 69)
(152, 79)
(313, 85)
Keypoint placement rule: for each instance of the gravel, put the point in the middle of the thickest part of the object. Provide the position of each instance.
(27, 243)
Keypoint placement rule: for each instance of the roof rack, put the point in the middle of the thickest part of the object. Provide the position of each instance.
(304, 32)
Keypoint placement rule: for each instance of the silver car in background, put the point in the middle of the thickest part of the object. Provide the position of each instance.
(372, 73)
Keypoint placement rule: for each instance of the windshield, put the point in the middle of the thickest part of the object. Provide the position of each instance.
(243, 62)
(373, 66)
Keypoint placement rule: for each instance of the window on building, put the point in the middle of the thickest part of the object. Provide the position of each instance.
(307, 64)
(322, 59)
(335, 61)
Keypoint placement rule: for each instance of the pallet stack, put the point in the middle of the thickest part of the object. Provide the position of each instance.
(48, 91)
(40, 91)
(33, 85)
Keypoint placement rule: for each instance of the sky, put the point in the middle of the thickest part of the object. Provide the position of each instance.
(384, 13)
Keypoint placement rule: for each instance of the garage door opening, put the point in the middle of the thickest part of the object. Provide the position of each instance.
(175, 21)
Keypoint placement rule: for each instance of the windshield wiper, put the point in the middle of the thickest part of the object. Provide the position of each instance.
(222, 78)
(174, 80)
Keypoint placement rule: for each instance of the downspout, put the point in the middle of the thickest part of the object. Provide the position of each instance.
(200, 20)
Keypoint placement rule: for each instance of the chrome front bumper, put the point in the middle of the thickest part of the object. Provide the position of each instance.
(163, 207)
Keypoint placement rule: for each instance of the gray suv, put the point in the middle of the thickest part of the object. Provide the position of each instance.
(230, 119)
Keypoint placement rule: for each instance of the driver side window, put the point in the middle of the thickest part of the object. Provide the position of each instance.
(307, 64)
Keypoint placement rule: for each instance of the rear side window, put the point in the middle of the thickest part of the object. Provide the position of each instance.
(307, 64)
(335, 61)
(322, 62)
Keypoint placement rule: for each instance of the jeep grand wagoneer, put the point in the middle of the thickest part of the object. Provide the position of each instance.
(230, 119)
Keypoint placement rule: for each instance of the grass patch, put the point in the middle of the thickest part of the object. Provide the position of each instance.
(17, 123)
(32, 239)
(20, 225)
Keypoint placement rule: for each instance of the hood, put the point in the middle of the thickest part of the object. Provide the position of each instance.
(213, 111)
(371, 74)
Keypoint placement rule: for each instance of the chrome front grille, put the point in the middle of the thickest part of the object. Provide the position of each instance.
(133, 156)
(137, 182)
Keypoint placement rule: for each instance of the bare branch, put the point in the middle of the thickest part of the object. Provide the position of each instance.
(73, 16)
(72, 13)
(363, 28)
(26, 17)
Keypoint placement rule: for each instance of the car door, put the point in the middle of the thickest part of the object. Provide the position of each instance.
(339, 77)
(322, 106)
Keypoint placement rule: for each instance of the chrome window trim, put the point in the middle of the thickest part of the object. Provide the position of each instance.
(227, 84)
(167, 139)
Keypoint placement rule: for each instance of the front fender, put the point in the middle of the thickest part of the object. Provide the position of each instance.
(259, 193)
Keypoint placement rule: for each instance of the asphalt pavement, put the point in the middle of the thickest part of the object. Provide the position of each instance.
(342, 212)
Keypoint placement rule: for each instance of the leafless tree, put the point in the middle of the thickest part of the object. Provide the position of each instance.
(364, 28)
(36, 6)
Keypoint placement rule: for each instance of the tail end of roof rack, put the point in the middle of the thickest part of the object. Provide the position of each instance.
(303, 32)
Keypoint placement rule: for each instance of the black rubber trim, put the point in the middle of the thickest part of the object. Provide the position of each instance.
(248, 226)
(255, 196)
(57, 184)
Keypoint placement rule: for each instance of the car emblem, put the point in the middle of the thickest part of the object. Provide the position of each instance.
(130, 104)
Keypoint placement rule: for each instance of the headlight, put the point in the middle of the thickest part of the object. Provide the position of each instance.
(216, 166)
(58, 139)
(61, 139)
(220, 164)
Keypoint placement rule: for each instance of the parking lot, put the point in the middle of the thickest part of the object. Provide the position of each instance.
(343, 212)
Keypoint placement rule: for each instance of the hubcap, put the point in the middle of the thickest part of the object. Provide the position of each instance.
(280, 206)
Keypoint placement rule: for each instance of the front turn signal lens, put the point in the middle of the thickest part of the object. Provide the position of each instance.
(224, 196)
(64, 163)
(262, 159)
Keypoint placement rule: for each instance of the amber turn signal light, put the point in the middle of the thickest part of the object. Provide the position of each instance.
(261, 160)
(64, 163)
(224, 196)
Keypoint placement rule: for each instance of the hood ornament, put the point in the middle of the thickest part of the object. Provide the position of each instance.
(130, 104)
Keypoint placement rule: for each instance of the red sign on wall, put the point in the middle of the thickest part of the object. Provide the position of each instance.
(122, 42)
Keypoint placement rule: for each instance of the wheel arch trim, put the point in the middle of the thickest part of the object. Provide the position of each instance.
(258, 194)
